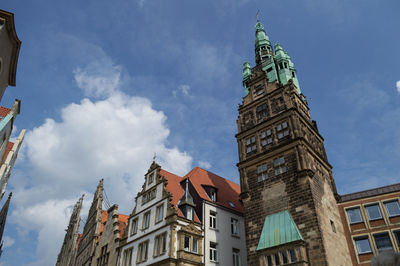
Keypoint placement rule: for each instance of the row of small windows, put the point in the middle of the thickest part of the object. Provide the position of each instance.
(148, 196)
(281, 258)
(373, 211)
(160, 247)
(146, 219)
(382, 241)
(266, 137)
(279, 167)
(213, 253)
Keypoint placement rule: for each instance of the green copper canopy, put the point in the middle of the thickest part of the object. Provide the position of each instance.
(261, 36)
(279, 228)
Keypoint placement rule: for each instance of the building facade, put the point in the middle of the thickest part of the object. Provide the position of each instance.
(371, 221)
(286, 180)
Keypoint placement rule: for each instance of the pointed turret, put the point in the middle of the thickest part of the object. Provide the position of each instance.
(285, 66)
(246, 77)
(263, 47)
(3, 217)
(186, 203)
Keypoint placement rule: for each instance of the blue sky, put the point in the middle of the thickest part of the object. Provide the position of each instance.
(105, 84)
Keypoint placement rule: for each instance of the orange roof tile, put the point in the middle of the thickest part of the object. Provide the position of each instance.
(8, 149)
(123, 222)
(4, 111)
(227, 190)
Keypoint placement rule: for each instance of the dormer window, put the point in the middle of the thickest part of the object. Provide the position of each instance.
(213, 194)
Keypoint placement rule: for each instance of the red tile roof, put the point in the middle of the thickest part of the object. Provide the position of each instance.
(123, 222)
(8, 149)
(228, 191)
(4, 111)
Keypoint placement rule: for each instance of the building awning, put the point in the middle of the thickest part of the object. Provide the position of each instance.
(279, 228)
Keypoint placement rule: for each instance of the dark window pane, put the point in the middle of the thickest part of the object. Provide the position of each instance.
(392, 208)
(362, 245)
(292, 255)
(397, 235)
(284, 257)
(277, 262)
(383, 242)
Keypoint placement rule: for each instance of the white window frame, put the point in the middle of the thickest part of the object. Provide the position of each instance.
(159, 213)
(213, 220)
(236, 257)
(213, 252)
(234, 226)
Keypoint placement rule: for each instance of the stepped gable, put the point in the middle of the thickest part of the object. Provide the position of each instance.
(227, 190)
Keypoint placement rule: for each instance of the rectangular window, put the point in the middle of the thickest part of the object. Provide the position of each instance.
(282, 130)
(213, 194)
(373, 212)
(266, 137)
(392, 208)
(262, 172)
(195, 248)
(213, 219)
(160, 244)
(284, 257)
(262, 111)
(251, 144)
(159, 213)
(151, 178)
(134, 226)
(277, 260)
(127, 260)
(268, 259)
(279, 165)
(234, 226)
(146, 220)
(142, 252)
(362, 244)
(236, 257)
(213, 251)
(189, 213)
(354, 215)
(382, 241)
(186, 245)
(259, 89)
(292, 254)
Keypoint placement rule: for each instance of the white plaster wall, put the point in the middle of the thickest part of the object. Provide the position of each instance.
(222, 236)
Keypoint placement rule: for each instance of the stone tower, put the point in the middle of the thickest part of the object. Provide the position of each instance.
(288, 192)
(91, 230)
(66, 257)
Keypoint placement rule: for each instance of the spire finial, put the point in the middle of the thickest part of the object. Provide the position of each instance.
(258, 12)
(154, 157)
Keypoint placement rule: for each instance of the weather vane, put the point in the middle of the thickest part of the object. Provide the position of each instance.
(154, 157)
(258, 12)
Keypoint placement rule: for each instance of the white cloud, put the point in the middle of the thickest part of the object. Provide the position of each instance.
(113, 138)
(8, 241)
(204, 164)
(398, 86)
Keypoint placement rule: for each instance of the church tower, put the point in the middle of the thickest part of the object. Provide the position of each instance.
(288, 191)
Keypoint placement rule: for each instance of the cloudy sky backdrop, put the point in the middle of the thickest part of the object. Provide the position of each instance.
(105, 84)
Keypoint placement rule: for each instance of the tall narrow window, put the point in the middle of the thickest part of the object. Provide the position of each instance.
(195, 243)
(292, 254)
(134, 226)
(284, 257)
(213, 219)
(268, 259)
(146, 220)
(279, 165)
(373, 212)
(160, 244)
(213, 252)
(142, 252)
(282, 130)
(251, 144)
(266, 137)
(213, 194)
(151, 178)
(262, 172)
(186, 245)
(189, 213)
(236, 257)
(159, 213)
(354, 215)
(234, 226)
(277, 260)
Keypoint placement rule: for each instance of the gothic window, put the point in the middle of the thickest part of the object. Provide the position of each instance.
(280, 65)
(146, 220)
(373, 212)
(286, 65)
(251, 144)
(213, 219)
(213, 252)
(234, 226)
(279, 165)
(382, 241)
(266, 137)
(159, 213)
(354, 215)
(392, 208)
(142, 252)
(282, 130)
(262, 111)
(262, 172)
(236, 257)
(160, 244)
(134, 226)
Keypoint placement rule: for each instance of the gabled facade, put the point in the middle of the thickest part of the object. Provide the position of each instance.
(283, 166)
(67, 255)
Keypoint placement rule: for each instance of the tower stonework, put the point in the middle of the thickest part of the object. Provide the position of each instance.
(286, 180)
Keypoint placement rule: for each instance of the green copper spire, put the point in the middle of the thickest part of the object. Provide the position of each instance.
(262, 44)
(246, 76)
(285, 66)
